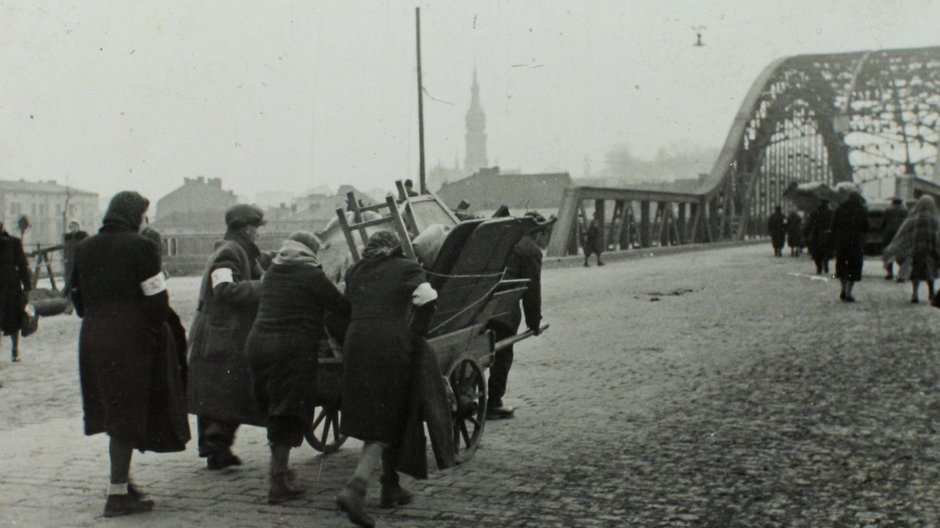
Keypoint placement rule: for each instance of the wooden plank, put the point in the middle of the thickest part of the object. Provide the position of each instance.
(353, 205)
(350, 241)
(399, 224)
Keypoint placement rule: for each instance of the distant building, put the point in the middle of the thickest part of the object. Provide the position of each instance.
(476, 132)
(197, 206)
(273, 198)
(49, 207)
(488, 189)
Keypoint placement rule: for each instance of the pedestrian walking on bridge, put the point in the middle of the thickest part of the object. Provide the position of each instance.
(893, 218)
(795, 233)
(129, 369)
(818, 237)
(849, 225)
(917, 247)
(219, 388)
(777, 227)
(593, 242)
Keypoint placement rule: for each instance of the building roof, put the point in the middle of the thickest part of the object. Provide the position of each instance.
(489, 189)
(50, 187)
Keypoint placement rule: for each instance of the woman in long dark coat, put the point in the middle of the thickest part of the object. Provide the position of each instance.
(383, 288)
(849, 225)
(818, 233)
(777, 227)
(795, 233)
(15, 284)
(283, 348)
(130, 379)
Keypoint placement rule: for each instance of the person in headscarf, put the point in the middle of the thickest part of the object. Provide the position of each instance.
(777, 227)
(219, 387)
(130, 379)
(385, 288)
(283, 348)
(818, 237)
(15, 285)
(849, 225)
(916, 245)
(795, 233)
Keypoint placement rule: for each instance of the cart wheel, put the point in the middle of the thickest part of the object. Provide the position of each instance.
(323, 434)
(468, 407)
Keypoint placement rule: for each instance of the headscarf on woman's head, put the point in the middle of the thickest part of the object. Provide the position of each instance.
(381, 245)
(919, 233)
(126, 211)
(300, 247)
(925, 206)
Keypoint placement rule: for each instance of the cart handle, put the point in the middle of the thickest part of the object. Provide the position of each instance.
(509, 341)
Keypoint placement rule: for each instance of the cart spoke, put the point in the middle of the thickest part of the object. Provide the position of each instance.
(320, 418)
(474, 420)
(326, 430)
(465, 433)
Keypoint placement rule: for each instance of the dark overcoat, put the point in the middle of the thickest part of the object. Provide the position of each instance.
(525, 262)
(849, 226)
(378, 350)
(777, 227)
(794, 230)
(219, 385)
(14, 283)
(818, 233)
(130, 376)
(284, 342)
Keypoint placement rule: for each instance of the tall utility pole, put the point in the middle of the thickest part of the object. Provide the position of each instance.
(421, 178)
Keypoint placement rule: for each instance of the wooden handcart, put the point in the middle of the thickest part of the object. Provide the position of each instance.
(468, 274)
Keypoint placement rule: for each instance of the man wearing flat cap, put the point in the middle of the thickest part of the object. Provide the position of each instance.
(219, 389)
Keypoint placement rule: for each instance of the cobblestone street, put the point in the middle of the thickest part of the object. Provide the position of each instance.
(716, 388)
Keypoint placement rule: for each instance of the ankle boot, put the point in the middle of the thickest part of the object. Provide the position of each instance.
(352, 501)
(395, 495)
(283, 488)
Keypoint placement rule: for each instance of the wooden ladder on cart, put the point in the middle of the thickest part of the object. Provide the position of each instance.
(400, 213)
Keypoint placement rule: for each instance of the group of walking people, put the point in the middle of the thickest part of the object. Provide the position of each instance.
(253, 348)
(910, 240)
(786, 229)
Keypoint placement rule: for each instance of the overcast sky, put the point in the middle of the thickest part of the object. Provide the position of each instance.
(293, 94)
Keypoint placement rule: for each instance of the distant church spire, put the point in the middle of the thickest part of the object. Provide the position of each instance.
(476, 131)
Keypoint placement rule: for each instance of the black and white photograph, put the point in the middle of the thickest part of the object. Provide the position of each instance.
(486, 264)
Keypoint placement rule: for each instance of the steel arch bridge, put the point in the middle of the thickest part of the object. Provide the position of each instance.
(869, 117)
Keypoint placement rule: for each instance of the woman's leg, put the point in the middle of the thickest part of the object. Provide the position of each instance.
(122, 499)
(849, 284)
(352, 498)
(915, 285)
(15, 341)
(930, 289)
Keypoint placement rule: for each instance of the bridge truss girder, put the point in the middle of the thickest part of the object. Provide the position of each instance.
(858, 117)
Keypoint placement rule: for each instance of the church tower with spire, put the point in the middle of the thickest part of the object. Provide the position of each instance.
(476, 132)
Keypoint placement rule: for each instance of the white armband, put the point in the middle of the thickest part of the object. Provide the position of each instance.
(153, 285)
(221, 275)
(423, 294)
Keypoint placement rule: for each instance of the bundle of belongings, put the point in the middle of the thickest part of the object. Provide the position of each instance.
(428, 243)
